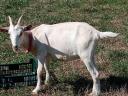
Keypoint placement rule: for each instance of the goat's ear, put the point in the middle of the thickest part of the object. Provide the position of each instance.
(4, 29)
(26, 28)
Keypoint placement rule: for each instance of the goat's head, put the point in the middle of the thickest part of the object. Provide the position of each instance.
(15, 32)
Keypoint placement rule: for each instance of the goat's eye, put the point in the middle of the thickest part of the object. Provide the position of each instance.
(20, 34)
(8, 32)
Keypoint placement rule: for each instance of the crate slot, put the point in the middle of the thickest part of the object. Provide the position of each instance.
(23, 74)
(14, 67)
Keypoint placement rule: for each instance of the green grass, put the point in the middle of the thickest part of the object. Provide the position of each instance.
(104, 15)
(119, 62)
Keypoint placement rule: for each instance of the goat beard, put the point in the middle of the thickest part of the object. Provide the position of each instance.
(24, 50)
(16, 50)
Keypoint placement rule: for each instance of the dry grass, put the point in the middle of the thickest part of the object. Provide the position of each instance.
(72, 78)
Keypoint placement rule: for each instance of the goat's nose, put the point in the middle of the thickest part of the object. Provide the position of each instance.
(15, 48)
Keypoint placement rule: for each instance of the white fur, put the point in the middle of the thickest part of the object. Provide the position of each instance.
(66, 41)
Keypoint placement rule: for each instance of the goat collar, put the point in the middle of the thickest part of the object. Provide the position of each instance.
(29, 42)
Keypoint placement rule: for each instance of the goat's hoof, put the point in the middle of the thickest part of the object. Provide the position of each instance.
(93, 94)
(45, 86)
(49, 82)
(34, 94)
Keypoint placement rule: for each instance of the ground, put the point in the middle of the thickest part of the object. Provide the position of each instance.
(72, 78)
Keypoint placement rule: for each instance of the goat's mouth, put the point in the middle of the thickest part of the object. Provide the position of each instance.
(15, 48)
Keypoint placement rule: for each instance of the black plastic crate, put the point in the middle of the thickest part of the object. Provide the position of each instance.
(22, 74)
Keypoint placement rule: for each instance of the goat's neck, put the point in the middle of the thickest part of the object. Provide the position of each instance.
(27, 44)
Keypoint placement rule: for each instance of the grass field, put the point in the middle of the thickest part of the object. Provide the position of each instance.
(72, 78)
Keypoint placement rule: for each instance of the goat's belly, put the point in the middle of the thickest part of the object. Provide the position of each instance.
(66, 57)
(63, 52)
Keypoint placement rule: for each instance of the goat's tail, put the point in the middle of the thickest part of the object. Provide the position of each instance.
(107, 34)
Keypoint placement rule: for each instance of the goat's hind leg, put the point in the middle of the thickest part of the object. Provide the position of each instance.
(91, 67)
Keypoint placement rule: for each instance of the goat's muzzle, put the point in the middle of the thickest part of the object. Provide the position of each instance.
(15, 48)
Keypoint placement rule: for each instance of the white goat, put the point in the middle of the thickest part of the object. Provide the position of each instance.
(60, 41)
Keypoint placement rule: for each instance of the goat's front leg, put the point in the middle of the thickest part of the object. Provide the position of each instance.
(39, 76)
(47, 77)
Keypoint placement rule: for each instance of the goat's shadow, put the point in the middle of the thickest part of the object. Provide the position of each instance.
(112, 82)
